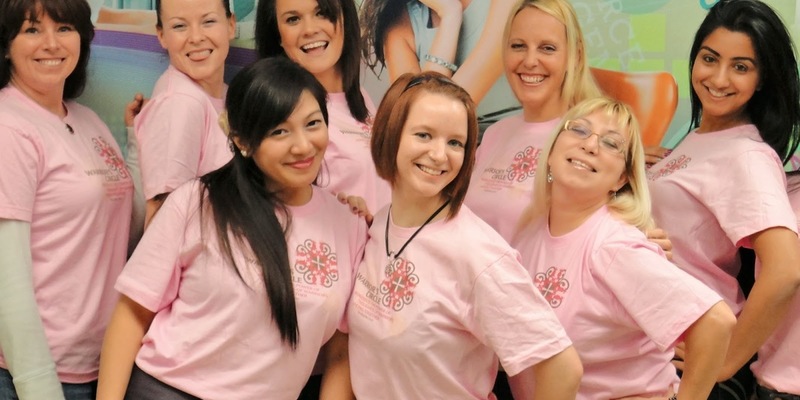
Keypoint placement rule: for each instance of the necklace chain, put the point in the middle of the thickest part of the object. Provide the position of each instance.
(392, 255)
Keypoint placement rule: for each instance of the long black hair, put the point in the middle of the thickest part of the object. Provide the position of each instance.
(775, 108)
(260, 97)
(268, 44)
(14, 13)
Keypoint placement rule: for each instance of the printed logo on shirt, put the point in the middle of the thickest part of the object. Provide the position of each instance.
(552, 285)
(673, 165)
(397, 289)
(522, 168)
(317, 264)
(116, 167)
(362, 129)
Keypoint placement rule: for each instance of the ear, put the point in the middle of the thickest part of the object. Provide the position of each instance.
(623, 179)
(232, 27)
(160, 36)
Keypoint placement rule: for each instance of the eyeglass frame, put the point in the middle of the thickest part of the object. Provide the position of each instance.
(568, 126)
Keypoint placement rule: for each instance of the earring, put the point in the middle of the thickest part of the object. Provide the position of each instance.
(614, 195)
(243, 152)
(549, 177)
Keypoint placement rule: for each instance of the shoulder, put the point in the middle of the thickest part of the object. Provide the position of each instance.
(401, 30)
(614, 239)
(468, 231)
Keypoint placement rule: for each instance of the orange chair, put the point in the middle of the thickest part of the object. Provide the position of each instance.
(653, 96)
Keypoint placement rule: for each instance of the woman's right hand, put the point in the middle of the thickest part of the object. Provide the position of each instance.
(134, 107)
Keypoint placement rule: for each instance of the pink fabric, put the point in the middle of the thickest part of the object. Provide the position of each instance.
(434, 323)
(621, 302)
(502, 181)
(348, 160)
(212, 336)
(76, 193)
(778, 364)
(710, 194)
(179, 134)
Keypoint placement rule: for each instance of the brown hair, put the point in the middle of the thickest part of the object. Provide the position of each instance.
(392, 115)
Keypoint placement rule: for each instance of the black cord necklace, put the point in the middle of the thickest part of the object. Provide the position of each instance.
(390, 255)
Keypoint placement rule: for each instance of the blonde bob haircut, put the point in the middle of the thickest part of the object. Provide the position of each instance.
(392, 115)
(578, 82)
(631, 203)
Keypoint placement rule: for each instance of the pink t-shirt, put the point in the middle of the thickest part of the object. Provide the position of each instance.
(179, 134)
(433, 324)
(622, 303)
(778, 364)
(213, 336)
(710, 194)
(76, 193)
(348, 160)
(505, 165)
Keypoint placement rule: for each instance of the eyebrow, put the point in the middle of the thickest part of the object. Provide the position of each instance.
(586, 120)
(714, 52)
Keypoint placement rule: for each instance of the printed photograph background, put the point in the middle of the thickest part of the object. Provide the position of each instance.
(624, 35)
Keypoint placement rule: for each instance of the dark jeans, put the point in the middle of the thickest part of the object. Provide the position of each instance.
(72, 391)
(142, 386)
(763, 393)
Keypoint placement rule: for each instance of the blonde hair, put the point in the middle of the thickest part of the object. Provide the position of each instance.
(578, 82)
(631, 203)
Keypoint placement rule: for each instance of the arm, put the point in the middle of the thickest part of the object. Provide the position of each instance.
(122, 342)
(557, 377)
(336, 379)
(706, 343)
(132, 163)
(769, 300)
(22, 336)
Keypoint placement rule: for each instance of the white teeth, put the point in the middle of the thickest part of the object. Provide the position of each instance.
(200, 53)
(716, 93)
(581, 164)
(51, 62)
(314, 45)
(430, 171)
(531, 78)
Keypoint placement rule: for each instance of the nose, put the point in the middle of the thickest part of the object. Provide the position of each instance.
(720, 77)
(591, 144)
(301, 145)
(437, 152)
(196, 34)
(310, 26)
(50, 39)
(531, 59)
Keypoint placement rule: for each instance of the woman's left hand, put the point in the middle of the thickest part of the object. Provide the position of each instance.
(357, 206)
(659, 237)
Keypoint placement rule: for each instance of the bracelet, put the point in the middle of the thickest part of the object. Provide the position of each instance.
(436, 60)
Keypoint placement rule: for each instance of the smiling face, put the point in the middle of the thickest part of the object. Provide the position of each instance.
(290, 154)
(582, 166)
(43, 54)
(535, 60)
(311, 39)
(725, 77)
(196, 34)
(431, 149)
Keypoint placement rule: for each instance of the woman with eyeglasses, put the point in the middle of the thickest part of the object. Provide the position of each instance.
(621, 302)
(427, 317)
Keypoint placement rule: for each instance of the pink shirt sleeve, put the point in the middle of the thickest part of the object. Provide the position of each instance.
(152, 275)
(20, 160)
(663, 300)
(170, 134)
(509, 315)
(754, 200)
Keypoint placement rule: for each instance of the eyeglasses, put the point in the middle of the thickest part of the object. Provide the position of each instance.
(610, 142)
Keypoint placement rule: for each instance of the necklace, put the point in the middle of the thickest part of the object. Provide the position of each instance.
(390, 255)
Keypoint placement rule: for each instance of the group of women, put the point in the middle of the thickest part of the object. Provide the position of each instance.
(251, 276)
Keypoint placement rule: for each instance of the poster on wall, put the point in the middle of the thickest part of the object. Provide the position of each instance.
(636, 36)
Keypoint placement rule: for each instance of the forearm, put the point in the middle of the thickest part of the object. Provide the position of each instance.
(122, 342)
(445, 42)
(770, 298)
(484, 65)
(336, 379)
(706, 344)
(22, 337)
(138, 213)
(557, 377)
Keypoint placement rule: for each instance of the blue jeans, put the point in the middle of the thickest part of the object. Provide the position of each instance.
(72, 391)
